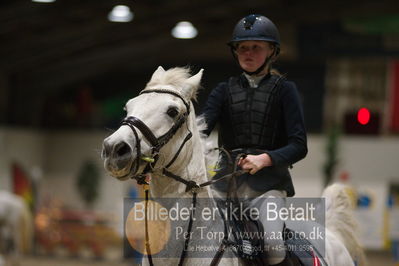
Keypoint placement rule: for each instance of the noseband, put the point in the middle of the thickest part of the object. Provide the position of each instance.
(156, 143)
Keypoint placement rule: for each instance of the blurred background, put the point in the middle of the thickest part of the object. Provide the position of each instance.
(68, 67)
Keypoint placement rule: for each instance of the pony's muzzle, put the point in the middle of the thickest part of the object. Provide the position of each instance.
(118, 157)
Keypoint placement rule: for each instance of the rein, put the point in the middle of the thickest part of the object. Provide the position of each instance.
(193, 187)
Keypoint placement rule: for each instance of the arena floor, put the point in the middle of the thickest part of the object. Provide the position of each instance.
(374, 259)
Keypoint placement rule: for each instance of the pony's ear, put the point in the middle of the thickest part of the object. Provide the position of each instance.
(157, 73)
(192, 84)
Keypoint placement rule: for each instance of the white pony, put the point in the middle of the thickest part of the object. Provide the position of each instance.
(160, 135)
(16, 227)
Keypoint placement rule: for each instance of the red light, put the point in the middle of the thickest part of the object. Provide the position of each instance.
(363, 116)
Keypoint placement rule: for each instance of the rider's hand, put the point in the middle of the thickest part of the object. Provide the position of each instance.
(253, 163)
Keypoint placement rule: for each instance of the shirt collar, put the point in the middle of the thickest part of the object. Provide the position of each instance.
(253, 80)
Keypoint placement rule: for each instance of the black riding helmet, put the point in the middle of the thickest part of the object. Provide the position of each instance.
(255, 28)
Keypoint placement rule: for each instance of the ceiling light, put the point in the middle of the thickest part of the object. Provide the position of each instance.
(120, 13)
(43, 1)
(184, 30)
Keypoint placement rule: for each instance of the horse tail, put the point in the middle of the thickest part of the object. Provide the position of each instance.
(340, 220)
(26, 229)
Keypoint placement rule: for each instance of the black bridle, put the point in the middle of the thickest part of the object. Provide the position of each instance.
(156, 143)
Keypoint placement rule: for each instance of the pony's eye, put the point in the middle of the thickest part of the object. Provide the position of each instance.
(172, 112)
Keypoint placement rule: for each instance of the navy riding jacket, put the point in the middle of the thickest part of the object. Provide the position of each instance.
(291, 142)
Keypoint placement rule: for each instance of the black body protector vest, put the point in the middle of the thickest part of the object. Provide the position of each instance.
(254, 114)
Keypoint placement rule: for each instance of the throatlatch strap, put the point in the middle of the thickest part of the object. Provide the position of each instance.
(189, 135)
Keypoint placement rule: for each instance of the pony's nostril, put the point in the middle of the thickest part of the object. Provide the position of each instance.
(122, 149)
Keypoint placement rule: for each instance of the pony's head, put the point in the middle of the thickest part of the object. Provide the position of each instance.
(155, 120)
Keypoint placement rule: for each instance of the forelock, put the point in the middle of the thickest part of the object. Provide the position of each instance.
(174, 77)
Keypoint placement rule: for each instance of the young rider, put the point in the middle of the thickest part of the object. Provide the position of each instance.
(259, 114)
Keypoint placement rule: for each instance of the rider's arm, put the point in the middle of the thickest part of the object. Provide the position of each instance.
(296, 147)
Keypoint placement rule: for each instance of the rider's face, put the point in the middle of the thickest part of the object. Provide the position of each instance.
(252, 54)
